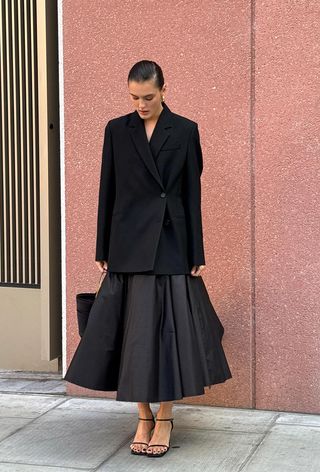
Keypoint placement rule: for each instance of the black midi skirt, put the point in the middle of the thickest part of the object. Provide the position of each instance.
(151, 338)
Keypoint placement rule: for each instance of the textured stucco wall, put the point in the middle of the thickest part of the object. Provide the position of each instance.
(287, 202)
(247, 73)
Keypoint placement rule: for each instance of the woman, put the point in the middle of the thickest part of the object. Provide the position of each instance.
(153, 334)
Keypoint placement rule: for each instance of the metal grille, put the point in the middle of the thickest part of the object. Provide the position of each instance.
(19, 145)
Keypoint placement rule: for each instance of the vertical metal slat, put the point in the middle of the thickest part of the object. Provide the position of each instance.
(19, 145)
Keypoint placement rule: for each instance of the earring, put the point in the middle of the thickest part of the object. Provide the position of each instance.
(162, 98)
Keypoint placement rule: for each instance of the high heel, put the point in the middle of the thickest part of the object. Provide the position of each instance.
(142, 452)
(159, 454)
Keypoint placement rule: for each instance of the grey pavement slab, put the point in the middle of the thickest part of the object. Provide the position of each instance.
(198, 417)
(35, 468)
(68, 438)
(13, 385)
(44, 386)
(229, 419)
(22, 374)
(299, 418)
(191, 450)
(11, 425)
(45, 432)
(32, 385)
(27, 406)
(98, 404)
(287, 449)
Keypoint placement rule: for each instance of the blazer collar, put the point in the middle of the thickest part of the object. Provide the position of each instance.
(159, 136)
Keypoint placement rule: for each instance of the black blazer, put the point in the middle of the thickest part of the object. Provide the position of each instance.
(149, 210)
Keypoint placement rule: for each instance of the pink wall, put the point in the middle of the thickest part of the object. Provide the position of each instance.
(255, 99)
(287, 201)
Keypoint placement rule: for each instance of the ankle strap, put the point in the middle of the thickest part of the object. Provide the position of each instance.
(164, 419)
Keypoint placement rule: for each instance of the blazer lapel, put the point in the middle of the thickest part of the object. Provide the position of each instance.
(159, 136)
(161, 131)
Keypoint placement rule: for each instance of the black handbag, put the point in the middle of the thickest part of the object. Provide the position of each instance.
(84, 302)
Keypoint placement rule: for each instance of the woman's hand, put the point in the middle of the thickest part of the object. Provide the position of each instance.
(197, 269)
(102, 265)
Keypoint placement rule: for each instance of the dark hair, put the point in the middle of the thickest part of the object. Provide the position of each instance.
(146, 70)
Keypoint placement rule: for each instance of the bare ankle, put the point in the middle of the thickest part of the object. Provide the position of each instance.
(145, 410)
(165, 410)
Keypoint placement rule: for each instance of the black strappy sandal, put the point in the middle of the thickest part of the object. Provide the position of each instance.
(159, 454)
(142, 452)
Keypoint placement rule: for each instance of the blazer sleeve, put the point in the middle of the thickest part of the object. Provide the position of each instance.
(192, 198)
(106, 198)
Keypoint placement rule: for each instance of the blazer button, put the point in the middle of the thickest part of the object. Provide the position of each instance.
(163, 194)
(167, 221)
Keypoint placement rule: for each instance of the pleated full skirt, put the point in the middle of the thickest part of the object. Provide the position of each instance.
(151, 338)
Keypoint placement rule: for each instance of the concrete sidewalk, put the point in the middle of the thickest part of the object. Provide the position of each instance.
(55, 432)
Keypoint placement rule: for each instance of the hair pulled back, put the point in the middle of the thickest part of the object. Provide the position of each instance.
(146, 70)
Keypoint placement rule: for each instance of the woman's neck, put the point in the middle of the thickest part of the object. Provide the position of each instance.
(154, 119)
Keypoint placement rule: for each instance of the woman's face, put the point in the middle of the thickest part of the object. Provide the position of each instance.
(146, 98)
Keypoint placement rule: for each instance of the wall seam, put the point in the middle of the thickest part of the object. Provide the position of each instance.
(62, 187)
(252, 204)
